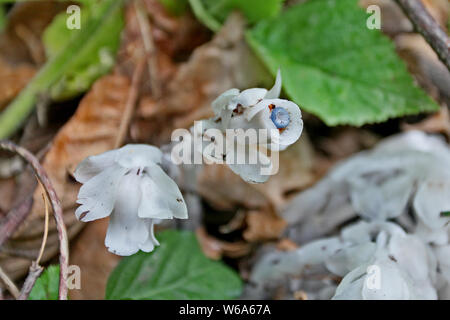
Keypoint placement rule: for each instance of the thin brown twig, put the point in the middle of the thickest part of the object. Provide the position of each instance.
(425, 24)
(150, 48)
(33, 274)
(131, 102)
(9, 284)
(14, 218)
(57, 213)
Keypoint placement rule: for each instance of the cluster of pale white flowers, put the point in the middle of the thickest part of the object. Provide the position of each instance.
(406, 180)
(129, 185)
(277, 123)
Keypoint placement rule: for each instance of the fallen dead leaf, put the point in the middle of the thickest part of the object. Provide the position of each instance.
(27, 20)
(7, 189)
(12, 79)
(286, 244)
(424, 64)
(436, 123)
(263, 226)
(96, 263)
(214, 248)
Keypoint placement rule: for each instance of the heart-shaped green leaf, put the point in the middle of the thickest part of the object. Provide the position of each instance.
(177, 269)
(335, 67)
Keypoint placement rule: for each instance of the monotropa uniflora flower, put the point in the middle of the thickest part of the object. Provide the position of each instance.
(129, 186)
(276, 124)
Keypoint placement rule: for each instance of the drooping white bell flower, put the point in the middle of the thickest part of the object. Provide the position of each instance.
(128, 185)
(276, 123)
(258, 108)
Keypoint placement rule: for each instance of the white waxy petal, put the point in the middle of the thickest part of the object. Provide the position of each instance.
(251, 171)
(93, 165)
(443, 257)
(126, 231)
(381, 200)
(152, 242)
(393, 284)
(223, 100)
(363, 231)
(411, 254)
(350, 287)
(347, 259)
(432, 198)
(138, 156)
(248, 98)
(153, 203)
(433, 236)
(206, 134)
(274, 93)
(97, 196)
(170, 192)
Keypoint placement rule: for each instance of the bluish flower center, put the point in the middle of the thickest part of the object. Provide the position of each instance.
(280, 117)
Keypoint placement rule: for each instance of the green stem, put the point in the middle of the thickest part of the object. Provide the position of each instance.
(17, 112)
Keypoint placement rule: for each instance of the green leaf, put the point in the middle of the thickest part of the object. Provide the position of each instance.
(62, 73)
(177, 269)
(335, 67)
(445, 214)
(47, 285)
(93, 61)
(2, 17)
(176, 7)
(213, 13)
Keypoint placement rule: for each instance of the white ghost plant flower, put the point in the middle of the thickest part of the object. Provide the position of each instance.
(260, 110)
(403, 263)
(399, 248)
(128, 185)
(407, 170)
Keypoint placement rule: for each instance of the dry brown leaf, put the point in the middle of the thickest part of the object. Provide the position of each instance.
(263, 226)
(300, 295)
(224, 190)
(7, 189)
(20, 40)
(436, 123)
(214, 248)
(296, 172)
(88, 251)
(440, 10)
(346, 141)
(12, 79)
(424, 64)
(286, 244)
